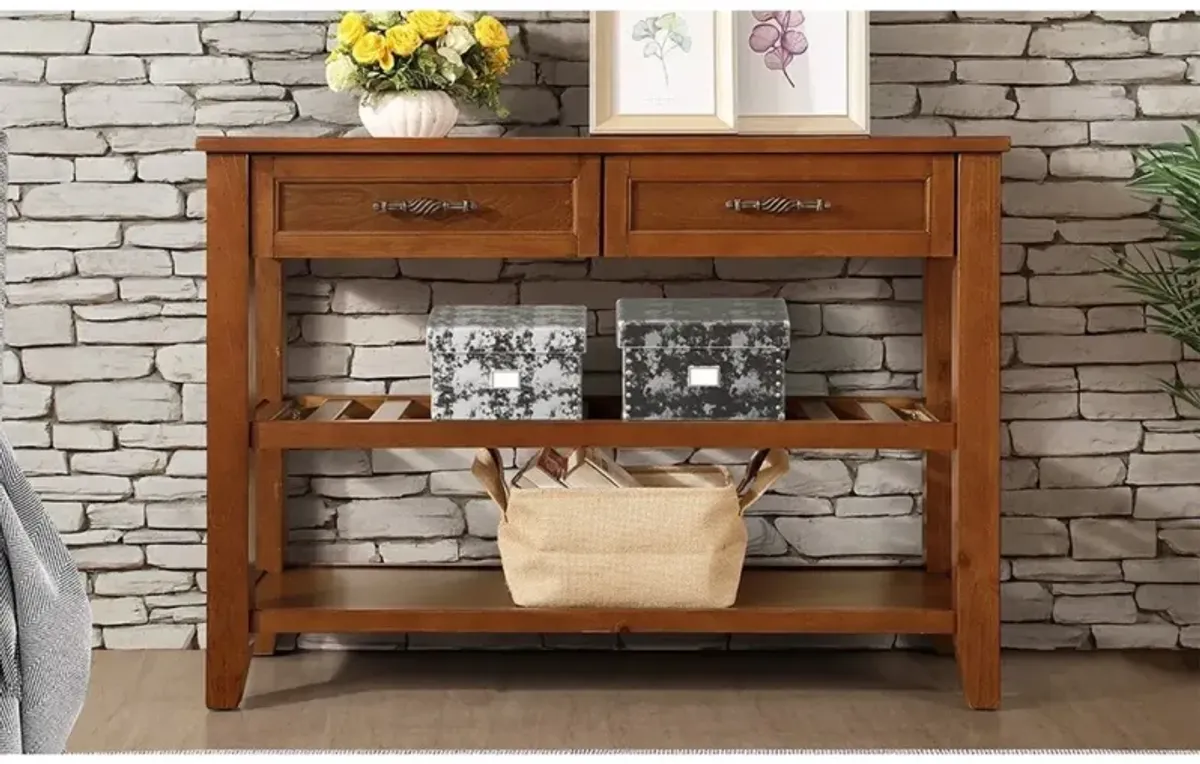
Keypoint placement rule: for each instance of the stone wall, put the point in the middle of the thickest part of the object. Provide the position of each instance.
(104, 375)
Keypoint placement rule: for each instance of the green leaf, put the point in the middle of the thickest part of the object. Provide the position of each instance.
(649, 49)
(684, 42)
(642, 30)
(673, 23)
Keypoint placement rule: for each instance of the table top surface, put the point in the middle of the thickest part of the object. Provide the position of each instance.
(646, 144)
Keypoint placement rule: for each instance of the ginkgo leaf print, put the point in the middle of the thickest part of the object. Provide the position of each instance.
(663, 34)
(778, 38)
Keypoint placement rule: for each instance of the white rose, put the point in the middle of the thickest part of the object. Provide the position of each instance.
(452, 63)
(466, 17)
(341, 74)
(457, 39)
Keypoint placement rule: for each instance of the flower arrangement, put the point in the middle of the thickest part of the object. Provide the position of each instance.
(463, 54)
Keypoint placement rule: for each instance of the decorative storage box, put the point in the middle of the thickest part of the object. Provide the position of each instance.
(703, 358)
(507, 362)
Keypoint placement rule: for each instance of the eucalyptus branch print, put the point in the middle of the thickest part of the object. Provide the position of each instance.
(662, 34)
(777, 36)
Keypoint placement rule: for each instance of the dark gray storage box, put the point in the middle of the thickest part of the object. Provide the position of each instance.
(506, 362)
(706, 358)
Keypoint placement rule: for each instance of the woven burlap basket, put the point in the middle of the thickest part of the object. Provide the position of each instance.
(676, 542)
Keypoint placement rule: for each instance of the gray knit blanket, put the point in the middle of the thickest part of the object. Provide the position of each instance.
(45, 620)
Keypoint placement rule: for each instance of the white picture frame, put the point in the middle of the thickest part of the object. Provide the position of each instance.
(631, 66)
(777, 55)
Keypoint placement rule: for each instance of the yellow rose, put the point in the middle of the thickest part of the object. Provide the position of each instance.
(430, 24)
(351, 28)
(403, 39)
(371, 48)
(498, 60)
(491, 33)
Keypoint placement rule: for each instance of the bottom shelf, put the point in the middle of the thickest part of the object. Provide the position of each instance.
(333, 600)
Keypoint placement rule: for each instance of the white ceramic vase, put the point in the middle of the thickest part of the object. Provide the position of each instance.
(411, 114)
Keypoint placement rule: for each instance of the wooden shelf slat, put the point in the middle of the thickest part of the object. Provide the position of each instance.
(304, 425)
(880, 412)
(390, 411)
(389, 599)
(330, 411)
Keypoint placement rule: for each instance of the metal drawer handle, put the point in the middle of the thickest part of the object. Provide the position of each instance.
(777, 205)
(425, 207)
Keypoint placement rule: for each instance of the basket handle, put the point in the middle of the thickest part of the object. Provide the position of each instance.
(765, 468)
(490, 474)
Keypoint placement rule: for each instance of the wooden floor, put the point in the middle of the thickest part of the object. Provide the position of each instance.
(503, 700)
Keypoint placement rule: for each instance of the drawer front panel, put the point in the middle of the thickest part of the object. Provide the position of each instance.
(467, 207)
(430, 206)
(780, 206)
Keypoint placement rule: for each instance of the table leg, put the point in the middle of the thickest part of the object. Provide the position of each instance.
(975, 477)
(269, 353)
(228, 444)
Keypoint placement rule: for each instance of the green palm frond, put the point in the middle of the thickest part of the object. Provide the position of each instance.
(1172, 173)
(1183, 393)
(1169, 282)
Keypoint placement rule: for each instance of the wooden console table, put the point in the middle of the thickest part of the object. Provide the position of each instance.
(274, 199)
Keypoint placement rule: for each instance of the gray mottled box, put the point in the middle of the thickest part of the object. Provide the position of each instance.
(703, 358)
(507, 362)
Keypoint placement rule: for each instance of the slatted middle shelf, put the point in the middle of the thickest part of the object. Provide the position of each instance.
(318, 422)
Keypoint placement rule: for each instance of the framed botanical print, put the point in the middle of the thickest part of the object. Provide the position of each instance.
(662, 72)
(802, 71)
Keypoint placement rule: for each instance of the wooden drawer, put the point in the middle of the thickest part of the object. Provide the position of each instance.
(428, 206)
(779, 206)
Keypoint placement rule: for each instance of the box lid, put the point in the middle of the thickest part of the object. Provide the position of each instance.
(703, 322)
(507, 329)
